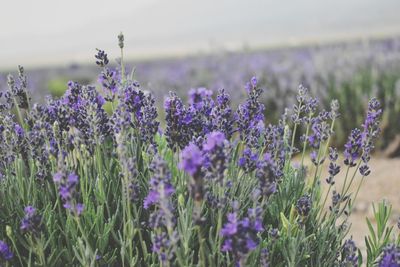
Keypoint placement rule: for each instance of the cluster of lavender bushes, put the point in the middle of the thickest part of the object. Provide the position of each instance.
(351, 72)
(215, 186)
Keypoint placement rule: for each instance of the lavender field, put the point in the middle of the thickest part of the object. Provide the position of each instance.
(351, 72)
(247, 158)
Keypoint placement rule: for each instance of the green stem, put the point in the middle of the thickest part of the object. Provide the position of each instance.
(305, 143)
(19, 115)
(358, 189)
(202, 258)
(345, 180)
(122, 66)
(325, 199)
(316, 170)
(294, 134)
(78, 222)
(352, 178)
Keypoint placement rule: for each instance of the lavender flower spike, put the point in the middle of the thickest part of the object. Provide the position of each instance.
(241, 235)
(67, 188)
(32, 222)
(349, 253)
(217, 155)
(390, 256)
(192, 161)
(250, 116)
(162, 218)
(5, 252)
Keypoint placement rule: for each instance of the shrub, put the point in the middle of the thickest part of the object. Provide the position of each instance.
(217, 187)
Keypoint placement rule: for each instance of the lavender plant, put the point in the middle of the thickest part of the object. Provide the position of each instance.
(214, 187)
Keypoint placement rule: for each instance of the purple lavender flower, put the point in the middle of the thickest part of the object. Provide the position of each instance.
(241, 235)
(136, 110)
(274, 144)
(160, 184)
(216, 158)
(42, 139)
(102, 59)
(336, 199)
(304, 205)
(162, 246)
(254, 81)
(13, 141)
(334, 168)
(390, 256)
(148, 124)
(370, 133)
(299, 108)
(310, 107)
(18, 90)
(320, 130)
(128, 166)
(266, 174)
(352, 149)
(264, 258)
(67, 189)
(248, 160)
(199, 111)
(213, 140)
(349, 253)
(83, 110)
(109, 80)
(361, 142)
(192, 160)
(19, 131)
(371, 124)
(178, 119)
(250, 117)
(32, 222)
(162, 218)
(5, 252)
(200, 98)
(364, 170)
(221, 115)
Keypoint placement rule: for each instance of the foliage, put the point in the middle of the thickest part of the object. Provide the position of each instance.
(79, 186)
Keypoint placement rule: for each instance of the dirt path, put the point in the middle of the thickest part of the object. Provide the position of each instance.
(382, 184)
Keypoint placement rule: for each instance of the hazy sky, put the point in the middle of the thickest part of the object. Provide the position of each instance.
(53, 31)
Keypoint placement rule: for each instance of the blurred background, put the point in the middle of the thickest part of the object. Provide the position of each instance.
(343, 49)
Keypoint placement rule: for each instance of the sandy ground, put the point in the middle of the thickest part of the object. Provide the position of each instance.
(382, 184)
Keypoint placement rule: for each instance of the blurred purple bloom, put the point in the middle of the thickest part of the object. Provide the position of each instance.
(217, 156)
(266, 173)
(5, 252)
(178, 118)
(32, 222)
(162, 218)
(250, 118)
(241, 235)
(352, 149)
(19, 131)
(304, 205)
(248, 160)
(390, 256)
(67, 188)
(213, 139)
(221, 115)
(191, 159)
(349, 253)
